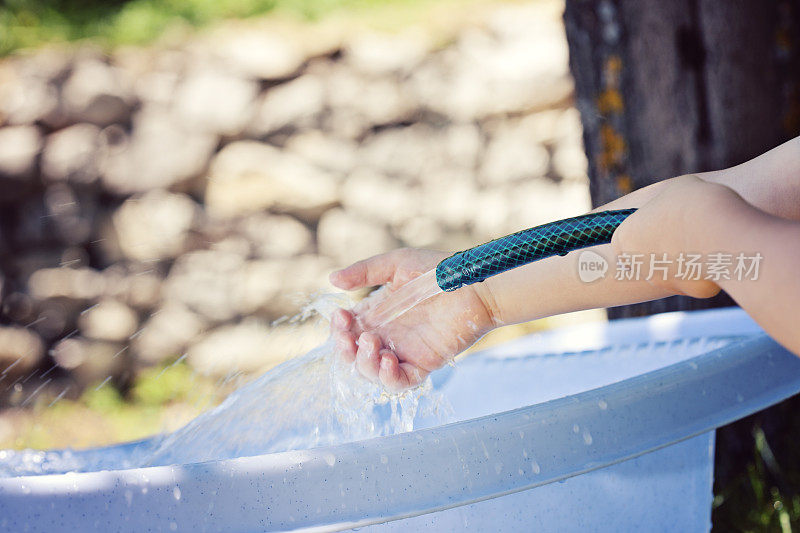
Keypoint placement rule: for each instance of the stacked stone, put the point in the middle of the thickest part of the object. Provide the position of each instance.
(167, 201)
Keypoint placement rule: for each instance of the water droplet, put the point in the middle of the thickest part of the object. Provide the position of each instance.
(587, 438)
(176, 492)
(498, 467)
(602, 405)
(384, 459)
(576, 429)
(535, 468)
(173, 526)
(330, 459)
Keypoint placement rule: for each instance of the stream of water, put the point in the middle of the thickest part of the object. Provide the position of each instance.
(308, 401)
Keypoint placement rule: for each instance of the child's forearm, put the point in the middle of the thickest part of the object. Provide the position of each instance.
(553, 286)
(770, 182)
(691, 217)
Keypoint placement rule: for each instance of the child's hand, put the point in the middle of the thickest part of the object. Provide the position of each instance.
(401, 353)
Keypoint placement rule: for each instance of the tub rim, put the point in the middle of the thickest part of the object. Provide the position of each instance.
(777, 369)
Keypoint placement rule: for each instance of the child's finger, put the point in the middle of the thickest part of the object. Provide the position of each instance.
(412, 375)
(345, 345)
(389, 373)
(397, 376)
(376, 270)
(367, 356)
(342, 319)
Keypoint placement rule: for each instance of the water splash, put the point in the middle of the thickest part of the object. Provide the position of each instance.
(309, 401)
(403, 299)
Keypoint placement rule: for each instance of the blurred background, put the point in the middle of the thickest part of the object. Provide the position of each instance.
(177, 177)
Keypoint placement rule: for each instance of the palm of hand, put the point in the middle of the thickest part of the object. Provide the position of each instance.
(401, 353)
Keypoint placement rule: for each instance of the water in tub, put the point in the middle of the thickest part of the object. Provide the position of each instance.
(308, 401)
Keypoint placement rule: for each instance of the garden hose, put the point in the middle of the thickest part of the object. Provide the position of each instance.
(526, 246)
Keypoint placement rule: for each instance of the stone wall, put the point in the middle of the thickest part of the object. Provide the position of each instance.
(179, 199)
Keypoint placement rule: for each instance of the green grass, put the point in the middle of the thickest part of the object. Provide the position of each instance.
(31, 23)
(757, 472)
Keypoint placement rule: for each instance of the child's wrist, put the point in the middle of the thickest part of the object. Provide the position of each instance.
(486, 296)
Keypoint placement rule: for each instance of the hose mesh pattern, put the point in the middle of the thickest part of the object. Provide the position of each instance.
(526, 246)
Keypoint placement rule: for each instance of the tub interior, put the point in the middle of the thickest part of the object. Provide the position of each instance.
(665, 490)
(553, 364)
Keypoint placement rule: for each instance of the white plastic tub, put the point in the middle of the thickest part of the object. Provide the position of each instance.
(599, 427)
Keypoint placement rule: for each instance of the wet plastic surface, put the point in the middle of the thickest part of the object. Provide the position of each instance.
(601, 399)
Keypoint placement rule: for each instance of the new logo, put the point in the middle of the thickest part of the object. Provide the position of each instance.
(591, 266)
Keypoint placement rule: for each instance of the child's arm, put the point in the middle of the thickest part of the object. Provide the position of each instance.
(770, 182)
(719, 221)
(690, 216)
(687, 214)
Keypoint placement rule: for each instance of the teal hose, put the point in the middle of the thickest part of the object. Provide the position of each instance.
(526, 246)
